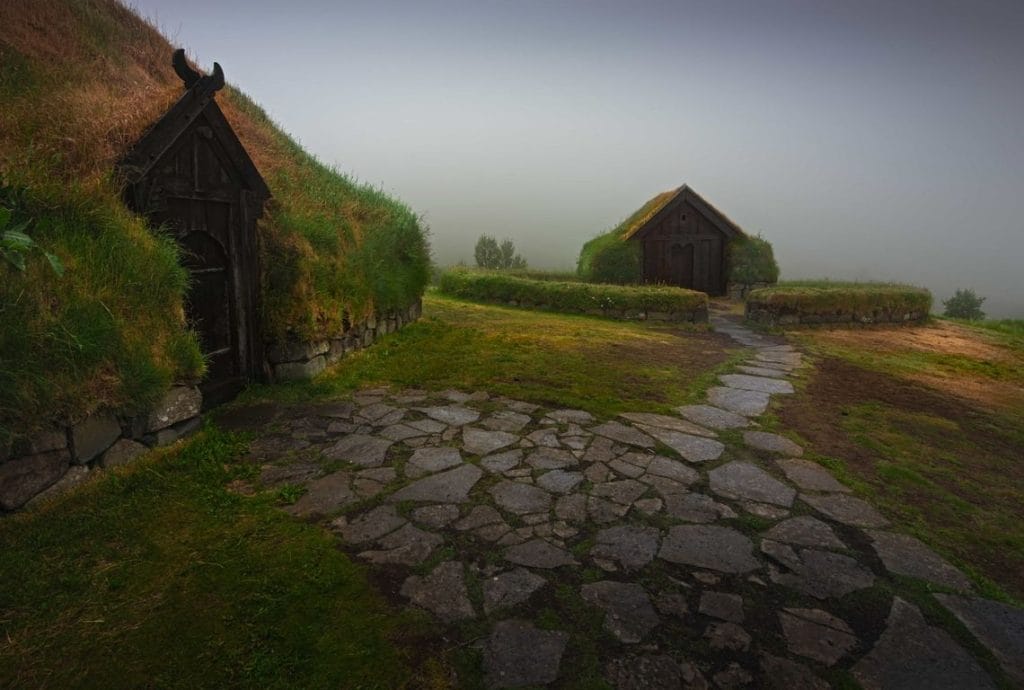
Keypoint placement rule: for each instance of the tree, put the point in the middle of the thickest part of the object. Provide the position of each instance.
(964, 304)
(489, 254)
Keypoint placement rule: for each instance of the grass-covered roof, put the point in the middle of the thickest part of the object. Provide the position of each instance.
(80, 82)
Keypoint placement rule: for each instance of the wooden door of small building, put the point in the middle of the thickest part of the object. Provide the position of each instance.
(192, 178)
(682, 248)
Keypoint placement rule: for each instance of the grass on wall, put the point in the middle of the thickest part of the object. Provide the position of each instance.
(80, 82)
(575, 297)
(826, 297)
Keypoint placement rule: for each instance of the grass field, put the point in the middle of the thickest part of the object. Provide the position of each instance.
(599, 365)
(926, 422)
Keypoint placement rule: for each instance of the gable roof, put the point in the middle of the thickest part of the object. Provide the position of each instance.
(197, 102)
(651, 212)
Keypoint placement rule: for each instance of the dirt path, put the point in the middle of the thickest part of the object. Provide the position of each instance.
(648, 551)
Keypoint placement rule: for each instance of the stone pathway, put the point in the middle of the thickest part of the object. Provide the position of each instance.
(708, 551)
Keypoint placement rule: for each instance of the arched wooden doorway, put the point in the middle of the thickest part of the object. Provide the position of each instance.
(191, 176)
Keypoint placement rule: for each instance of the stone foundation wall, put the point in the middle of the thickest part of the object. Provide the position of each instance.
(57, 459)
(759, 313)
(303, 360)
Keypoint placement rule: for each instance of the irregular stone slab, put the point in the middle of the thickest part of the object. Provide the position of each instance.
(722, 605)
(817, 635)
(764, 510)
(506, 420)
(571, 417)
(539, 554)
(545, 438)
(325, 495)
(792, 359)
(430, 460)
(518, 654)
(406, 546)
(372, 525)
(649, 506)
(455, 415)
(551, 459)
(430, 426)
(502, 462)
(519, 498)
(823, 574)
(714, 417)
(122, 453)
(603, 512)
(762, 372)
(663, 421)
(600, 450)
(756, 383)
(912, 654)
(450, 486)
(559, 481)
(625, 469)
(696, 507)
(572, 508)
(746, 481)
(442, 592)
(478, 517)
(904, 555)
(630, 546)
(693, 448)
(629, 614)
(746, 403)
(772, 443)
(783, 554)
(648, 672)
(784, 674)
(672, 469)
(94, 435)
(805, 531)
(727, 636)
(810, 476)
(845, 509)
(481, 442)
(435, 516)
(624, 491)
(998, 626)
(623, 434)
(510, 589)
(709, 546)
(375, 411)
(400, 432)
(291, 473)
(360, 449)
(178, 404)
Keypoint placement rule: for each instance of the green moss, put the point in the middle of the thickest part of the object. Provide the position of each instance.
(751, 260)
(823, 298)
(609, 259)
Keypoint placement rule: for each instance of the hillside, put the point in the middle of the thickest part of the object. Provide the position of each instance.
(80, 82)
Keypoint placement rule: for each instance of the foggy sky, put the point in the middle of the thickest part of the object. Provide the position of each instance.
(865, 140)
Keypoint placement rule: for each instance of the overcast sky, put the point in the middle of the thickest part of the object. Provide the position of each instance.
(866, 140)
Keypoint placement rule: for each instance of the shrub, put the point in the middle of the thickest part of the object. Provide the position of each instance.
(964, 304)
(751, 260)
(575, 297)
(609, 259)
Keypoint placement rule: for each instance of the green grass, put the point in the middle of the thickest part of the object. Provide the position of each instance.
(599, 365)
(98, 589)
(573, 297)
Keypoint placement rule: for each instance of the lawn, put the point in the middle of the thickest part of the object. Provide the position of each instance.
(926, 422)
(600, 365)
(161, 576)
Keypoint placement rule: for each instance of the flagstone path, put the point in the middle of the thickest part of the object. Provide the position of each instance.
(710, 552)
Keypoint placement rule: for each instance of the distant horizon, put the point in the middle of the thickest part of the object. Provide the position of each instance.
(867, 141)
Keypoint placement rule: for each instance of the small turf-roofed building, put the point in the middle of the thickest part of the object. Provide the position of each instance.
(683, 240)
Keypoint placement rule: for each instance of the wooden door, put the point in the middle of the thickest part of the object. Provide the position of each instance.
(681, 265)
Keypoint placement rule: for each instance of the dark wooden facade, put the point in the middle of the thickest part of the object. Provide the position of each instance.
(684, 243)
(191, 175)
